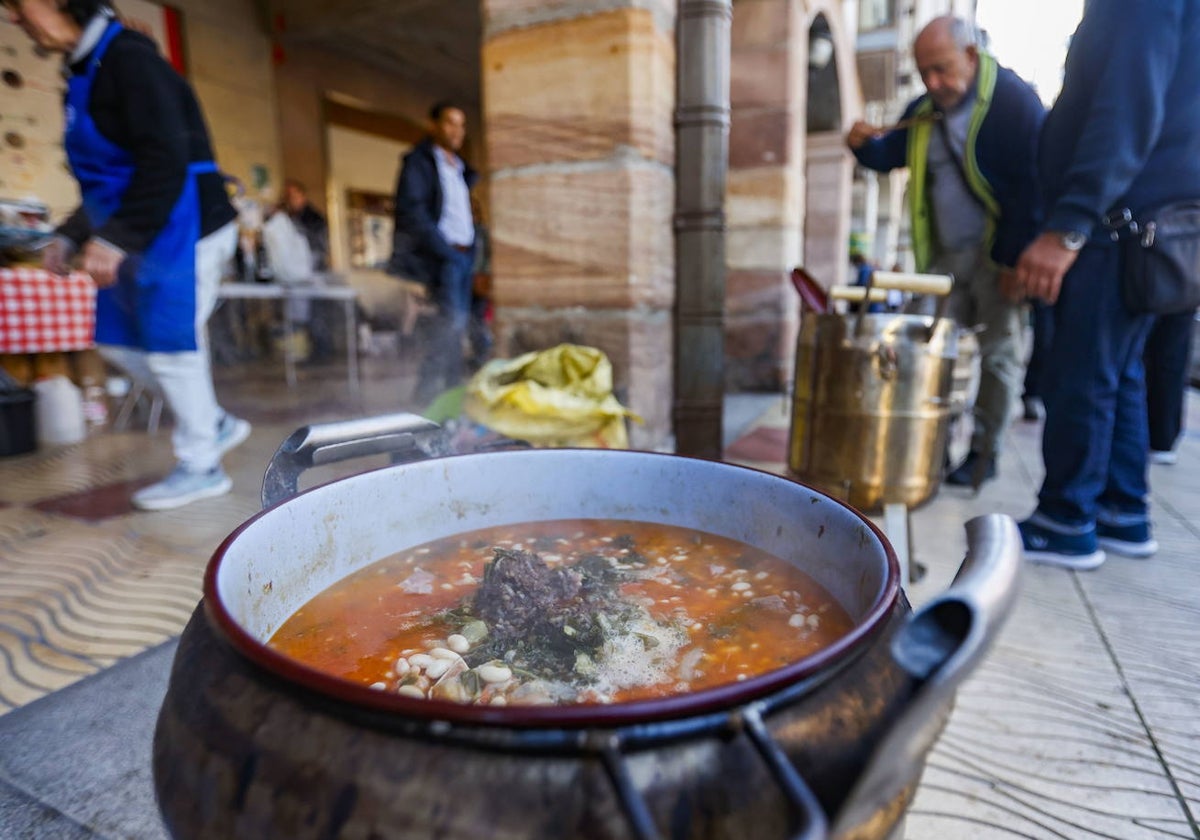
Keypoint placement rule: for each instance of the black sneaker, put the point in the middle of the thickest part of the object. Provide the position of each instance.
(965, 474)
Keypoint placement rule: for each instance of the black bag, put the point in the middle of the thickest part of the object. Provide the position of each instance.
(1161, 259)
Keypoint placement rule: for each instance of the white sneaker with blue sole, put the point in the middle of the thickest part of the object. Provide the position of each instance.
(231, 431)
(182, 487)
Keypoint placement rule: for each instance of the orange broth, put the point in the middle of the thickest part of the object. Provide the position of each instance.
(721, 610)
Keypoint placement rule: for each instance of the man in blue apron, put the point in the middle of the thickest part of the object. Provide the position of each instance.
(155, 227)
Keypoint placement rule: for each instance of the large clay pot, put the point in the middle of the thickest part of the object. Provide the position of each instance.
(252, 744)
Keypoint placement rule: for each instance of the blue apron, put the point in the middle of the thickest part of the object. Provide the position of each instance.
(153, 304)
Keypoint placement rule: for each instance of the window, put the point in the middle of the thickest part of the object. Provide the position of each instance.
(876, 14)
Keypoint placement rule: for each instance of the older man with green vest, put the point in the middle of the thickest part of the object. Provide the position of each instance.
(970, 145)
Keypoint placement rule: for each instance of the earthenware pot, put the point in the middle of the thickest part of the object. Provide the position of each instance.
(253, 744)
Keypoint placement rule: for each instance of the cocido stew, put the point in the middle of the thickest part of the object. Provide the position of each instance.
(570, 611)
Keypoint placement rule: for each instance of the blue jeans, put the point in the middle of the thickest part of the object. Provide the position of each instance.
(1095, 439)
(442, 365)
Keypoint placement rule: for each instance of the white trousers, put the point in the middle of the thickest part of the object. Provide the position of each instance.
(185, 379)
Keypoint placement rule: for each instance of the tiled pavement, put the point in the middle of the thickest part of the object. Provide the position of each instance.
(1084, 722)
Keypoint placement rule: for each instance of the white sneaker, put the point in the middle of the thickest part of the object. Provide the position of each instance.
(1161, 456)
(231, 431)
(182, 487)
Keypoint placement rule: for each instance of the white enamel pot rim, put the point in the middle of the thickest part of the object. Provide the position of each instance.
(279, 559)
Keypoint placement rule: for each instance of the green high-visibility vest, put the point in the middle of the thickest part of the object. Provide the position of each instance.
(918, 150)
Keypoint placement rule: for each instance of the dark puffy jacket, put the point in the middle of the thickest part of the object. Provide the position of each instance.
(418, 247)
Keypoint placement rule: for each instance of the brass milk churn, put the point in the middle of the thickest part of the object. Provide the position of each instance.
(872, 400)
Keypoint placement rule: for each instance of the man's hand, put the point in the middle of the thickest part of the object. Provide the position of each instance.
(1043, 264)
(56, 257)
(860, 134)
(1010, 288)
(102, 262)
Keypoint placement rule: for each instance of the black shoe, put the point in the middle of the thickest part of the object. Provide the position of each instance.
(973, 471)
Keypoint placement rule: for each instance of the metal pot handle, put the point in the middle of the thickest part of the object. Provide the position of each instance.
(808, 818)
(939, 647)
(328, 443)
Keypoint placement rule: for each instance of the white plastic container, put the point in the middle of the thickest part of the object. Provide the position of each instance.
(58, 412)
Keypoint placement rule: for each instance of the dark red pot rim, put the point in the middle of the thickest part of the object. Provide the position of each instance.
(719, 698)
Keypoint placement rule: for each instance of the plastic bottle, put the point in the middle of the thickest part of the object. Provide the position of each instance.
(58, 411)
(95, 403)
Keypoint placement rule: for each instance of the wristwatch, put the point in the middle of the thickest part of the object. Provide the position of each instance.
(1072, 240)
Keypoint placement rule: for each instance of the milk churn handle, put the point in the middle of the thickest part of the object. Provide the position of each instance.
(329, 443)
(938, 648)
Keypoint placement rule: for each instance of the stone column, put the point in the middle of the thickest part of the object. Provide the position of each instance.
(765, 199)
(578, 97)
(827, 218)
(772, 208)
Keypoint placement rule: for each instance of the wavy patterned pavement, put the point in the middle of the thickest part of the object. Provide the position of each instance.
(75, 598)
(86, 581)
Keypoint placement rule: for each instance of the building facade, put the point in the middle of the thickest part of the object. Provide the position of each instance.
(571, 112)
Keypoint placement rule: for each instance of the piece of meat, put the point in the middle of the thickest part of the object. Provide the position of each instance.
(518, 587)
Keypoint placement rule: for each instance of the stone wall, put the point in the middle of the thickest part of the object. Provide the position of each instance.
(229, 65)
(578, 99)
(771, 203)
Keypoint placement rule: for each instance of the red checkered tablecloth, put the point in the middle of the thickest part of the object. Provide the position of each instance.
(42, 312)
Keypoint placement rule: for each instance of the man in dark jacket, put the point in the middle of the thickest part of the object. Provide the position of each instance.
(434, 242)
(970, 147)
(1122, 139)
(155, 228)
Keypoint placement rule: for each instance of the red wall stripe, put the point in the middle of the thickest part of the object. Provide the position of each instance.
(173, 24)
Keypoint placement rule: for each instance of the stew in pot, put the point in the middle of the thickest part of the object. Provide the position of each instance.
(571, 611)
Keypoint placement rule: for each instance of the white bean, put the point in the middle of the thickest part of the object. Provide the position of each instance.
(420, 660)
(740, 586)
(493, 673)
(498, 700)
(443, 653)
(437, 668)
(402, 667)
(379, 686)
(797, 620)
(458, 644)
(411, 691)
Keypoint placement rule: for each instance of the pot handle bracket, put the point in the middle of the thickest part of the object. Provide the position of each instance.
(808, 817)
(939, 647)
(401, 435)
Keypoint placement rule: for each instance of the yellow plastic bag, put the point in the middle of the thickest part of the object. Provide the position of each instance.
(557, 397)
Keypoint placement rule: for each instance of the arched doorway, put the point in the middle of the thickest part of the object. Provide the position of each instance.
(827, 166)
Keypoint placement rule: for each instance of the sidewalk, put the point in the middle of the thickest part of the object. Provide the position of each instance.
(1084, 722)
